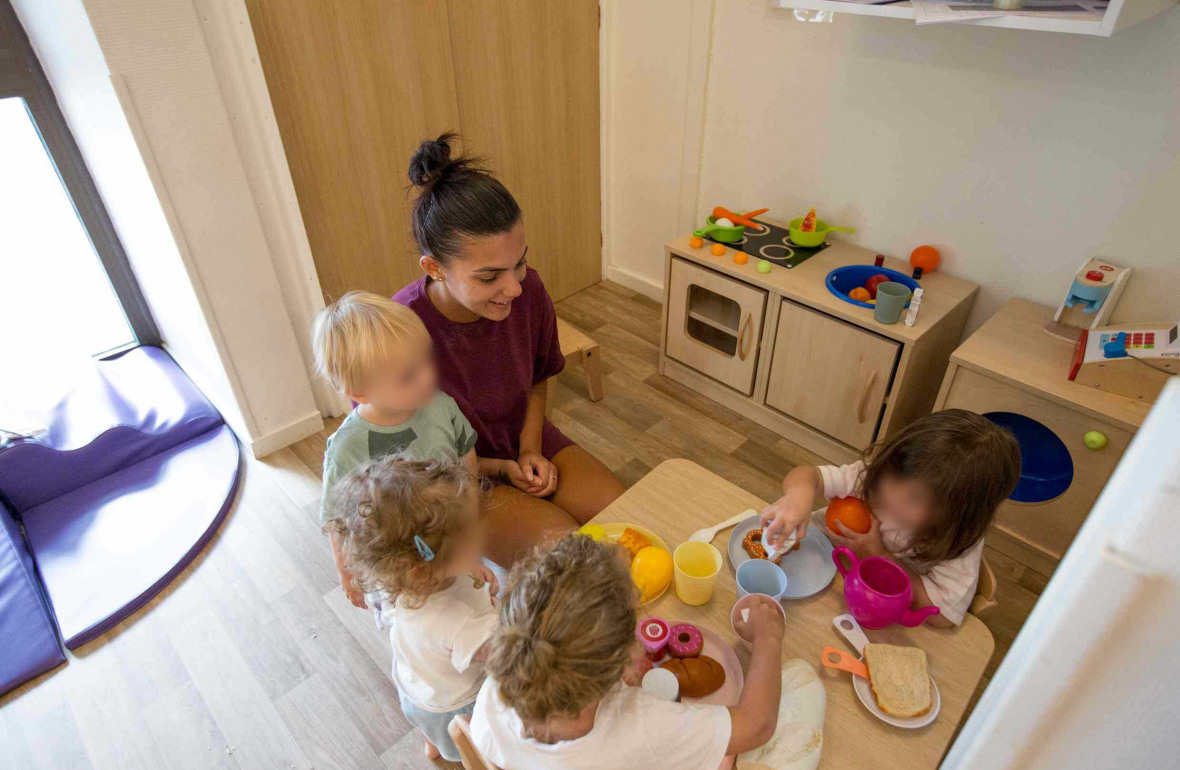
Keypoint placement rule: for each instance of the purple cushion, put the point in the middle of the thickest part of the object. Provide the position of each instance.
(106, 548)
(123, 411)
(27, 635)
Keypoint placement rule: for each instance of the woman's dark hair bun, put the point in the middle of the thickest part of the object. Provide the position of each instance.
(457, 199)
(432, 161)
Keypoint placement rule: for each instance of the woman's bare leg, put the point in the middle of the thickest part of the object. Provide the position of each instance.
(584, 485)
(517, 521)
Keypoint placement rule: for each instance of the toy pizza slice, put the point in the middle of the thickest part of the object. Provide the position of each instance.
(808, 224)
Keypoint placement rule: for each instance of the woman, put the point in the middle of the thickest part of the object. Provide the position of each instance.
(495, 335)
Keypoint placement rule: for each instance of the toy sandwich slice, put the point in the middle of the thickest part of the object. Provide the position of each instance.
(899, 679)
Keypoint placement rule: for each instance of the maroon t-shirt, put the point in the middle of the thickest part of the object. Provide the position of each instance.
(488, 367)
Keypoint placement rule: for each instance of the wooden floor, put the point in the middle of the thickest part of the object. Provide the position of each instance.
(254, 659)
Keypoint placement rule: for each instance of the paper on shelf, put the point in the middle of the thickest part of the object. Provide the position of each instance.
(943, 11)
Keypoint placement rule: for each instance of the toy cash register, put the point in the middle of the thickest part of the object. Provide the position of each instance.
(1134, 360)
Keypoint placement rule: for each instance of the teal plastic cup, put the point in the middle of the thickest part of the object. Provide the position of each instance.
(891, 299)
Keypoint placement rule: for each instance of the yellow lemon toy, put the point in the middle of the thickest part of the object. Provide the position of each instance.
(594, 532)
(652, 571)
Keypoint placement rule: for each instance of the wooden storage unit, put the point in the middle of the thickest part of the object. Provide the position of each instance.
(816, 387)
(784, 351)
(1010, 365)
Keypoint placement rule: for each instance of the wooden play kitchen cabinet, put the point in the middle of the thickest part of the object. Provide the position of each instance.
(1072, 436)
(783, 350)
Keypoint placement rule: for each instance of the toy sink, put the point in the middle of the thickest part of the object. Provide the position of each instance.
(844, 279)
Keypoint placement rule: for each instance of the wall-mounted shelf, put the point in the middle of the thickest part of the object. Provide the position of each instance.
(1120, 14)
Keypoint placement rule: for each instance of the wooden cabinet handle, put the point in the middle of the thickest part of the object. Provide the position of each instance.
(864, 397)
(742, 328)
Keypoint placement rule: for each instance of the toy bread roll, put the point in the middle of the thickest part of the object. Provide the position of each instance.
(697, 676)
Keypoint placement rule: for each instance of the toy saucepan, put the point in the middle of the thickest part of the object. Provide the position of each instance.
(822, 228)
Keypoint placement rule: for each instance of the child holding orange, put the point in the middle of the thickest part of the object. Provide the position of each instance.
(932, 489)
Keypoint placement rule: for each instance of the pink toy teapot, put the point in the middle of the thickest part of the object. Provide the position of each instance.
(878, 592)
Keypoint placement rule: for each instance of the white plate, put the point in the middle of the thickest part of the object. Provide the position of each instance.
(809, 570)
(864, 691)
(851, 630)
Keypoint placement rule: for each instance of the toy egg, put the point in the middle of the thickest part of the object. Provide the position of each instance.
(724, 222)
(594, 532)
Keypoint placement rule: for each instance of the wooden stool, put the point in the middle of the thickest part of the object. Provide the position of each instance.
(578, 349)
(460, 731)
(985, 590)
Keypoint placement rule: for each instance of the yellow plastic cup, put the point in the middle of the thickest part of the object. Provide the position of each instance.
(697, 565)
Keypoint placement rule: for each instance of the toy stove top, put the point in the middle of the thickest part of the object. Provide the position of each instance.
(773, 243)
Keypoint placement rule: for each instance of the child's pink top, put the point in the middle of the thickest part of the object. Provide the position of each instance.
(950, 583)
(488, 367)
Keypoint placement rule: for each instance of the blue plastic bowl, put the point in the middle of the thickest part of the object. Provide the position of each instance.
(844, 279)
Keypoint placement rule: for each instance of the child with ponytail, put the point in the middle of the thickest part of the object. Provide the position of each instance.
(554, 697)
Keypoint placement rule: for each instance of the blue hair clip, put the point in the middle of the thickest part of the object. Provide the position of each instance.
(423, 550)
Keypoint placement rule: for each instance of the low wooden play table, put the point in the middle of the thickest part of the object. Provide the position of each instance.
(679, 497)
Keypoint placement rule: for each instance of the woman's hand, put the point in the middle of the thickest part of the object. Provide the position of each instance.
(540, 473)
(863, 545)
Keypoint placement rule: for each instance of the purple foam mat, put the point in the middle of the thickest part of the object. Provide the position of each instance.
(105, 549)
(119, 412)
(28, 638)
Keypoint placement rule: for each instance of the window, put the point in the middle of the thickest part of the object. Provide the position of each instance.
(66, 288)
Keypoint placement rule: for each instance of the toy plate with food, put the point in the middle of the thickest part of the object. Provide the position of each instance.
(901, 669)
(705, 665)
(651, 570)
(809, 569)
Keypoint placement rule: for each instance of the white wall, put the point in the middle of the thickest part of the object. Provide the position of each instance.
(136, 84)
(1017, 153)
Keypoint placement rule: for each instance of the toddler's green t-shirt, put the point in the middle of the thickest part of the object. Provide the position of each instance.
(437, 431)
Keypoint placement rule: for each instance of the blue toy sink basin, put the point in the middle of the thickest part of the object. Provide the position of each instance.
(844, 279)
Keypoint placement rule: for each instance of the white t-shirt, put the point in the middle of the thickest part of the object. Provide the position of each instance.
(433, 645)
(950, 584)
(632, 729)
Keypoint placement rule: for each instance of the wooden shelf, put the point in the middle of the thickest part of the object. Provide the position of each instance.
(707, 321)
(1120, 14)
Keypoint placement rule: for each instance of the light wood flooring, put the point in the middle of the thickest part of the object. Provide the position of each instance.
(254, 659)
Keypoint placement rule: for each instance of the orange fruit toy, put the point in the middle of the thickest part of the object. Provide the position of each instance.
(718, 250)
(652, 571)
(925, 257)
(851, 512)
(860, 293)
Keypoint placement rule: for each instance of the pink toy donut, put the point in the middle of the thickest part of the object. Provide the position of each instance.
(652, 633)
(684, 641)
